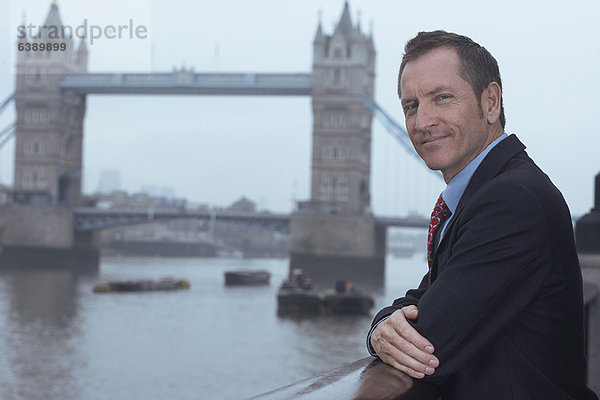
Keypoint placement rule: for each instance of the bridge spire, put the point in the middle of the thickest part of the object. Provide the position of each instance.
(345, 24)
(53, 25)
(319, 36)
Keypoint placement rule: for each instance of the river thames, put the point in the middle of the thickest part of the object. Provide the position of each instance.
(59, 340)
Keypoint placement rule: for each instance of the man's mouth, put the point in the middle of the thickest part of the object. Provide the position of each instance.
(433, 139)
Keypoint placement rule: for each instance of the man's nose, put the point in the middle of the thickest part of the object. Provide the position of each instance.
(425, 118)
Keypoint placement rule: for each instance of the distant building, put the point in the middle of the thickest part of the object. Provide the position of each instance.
(243, 205)
(110, 181)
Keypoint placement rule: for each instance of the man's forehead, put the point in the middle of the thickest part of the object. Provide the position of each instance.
(432, 65)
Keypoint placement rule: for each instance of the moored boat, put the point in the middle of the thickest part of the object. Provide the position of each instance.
(296, 295)
(247, 277)
(346, 299)
(298, 301)
(142, 285)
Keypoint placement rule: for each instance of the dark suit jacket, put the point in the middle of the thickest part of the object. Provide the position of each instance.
(502, 303)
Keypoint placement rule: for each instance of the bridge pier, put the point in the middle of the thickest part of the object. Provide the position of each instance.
(330, 247)
(44, 237)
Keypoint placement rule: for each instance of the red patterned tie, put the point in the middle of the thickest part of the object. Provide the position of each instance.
(439, 214)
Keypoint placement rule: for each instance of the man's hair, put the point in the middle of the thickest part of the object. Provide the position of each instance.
(477, 66)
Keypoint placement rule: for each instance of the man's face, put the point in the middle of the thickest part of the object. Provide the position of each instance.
(444, 119)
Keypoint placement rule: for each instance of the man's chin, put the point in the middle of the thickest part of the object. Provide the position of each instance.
(434, 165)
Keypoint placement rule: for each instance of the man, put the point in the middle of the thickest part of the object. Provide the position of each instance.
(499, 315)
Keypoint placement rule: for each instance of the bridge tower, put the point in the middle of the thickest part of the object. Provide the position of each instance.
(343, 72)
(49, 126)
(48, 156)
(333, 235)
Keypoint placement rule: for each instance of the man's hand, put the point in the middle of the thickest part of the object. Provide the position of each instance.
(398, 344)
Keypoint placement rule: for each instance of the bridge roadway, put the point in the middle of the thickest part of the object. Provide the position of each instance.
(189, 82)
(90, 219)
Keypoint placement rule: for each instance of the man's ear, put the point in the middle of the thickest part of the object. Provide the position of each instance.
(491, 102)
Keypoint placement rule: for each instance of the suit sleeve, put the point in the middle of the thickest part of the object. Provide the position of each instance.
(412, 298)
(497, 266)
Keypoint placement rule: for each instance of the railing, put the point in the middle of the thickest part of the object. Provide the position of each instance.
(368, 378)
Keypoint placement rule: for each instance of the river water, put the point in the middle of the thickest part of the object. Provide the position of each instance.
(59, 340)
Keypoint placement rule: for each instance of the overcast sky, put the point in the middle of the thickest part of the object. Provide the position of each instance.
(216, 149)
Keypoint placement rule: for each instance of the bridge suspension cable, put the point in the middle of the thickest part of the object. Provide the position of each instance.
(6, 102)
(396, 130)
(6, 134)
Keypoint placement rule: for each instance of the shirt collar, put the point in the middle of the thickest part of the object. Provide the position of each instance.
(457, 185)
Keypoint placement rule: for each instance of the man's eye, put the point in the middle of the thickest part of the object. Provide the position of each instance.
(443, 97)
(410, 107)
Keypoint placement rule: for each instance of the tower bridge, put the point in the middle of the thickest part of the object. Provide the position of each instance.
(333, 230)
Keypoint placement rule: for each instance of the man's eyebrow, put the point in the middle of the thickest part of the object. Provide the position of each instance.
(407, 100)
(437, 90)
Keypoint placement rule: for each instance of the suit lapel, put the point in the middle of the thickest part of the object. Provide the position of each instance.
(491, 165)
